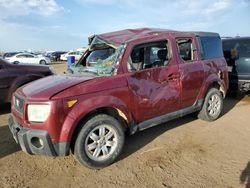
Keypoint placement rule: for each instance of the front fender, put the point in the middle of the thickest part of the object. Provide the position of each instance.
(82, 108)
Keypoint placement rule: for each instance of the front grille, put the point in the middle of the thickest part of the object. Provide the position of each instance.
(18, 104)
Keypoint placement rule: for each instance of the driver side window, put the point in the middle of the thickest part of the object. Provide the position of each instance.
(149, 55)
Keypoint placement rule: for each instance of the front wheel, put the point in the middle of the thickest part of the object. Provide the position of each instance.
(99, 142)
(43, 62)
(212, 105)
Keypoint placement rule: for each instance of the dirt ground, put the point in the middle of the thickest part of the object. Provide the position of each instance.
(186, 152)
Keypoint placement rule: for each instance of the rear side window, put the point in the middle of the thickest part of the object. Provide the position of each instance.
(29, 56)
(211, 47)
(185, 49)
(21, 56)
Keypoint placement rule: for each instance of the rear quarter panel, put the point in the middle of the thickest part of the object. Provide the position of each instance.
(215, 72)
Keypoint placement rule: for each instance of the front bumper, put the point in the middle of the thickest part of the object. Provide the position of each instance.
(36, 141)
(244, 85)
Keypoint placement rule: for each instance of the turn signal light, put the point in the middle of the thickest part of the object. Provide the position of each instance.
(71, 103)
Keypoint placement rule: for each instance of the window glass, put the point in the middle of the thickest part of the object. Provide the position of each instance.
(21, 56)
(153, 53)
(242, 46)
(100, 54)
(148, 55)
(102, 67)
(211, 47)
(237, 54)
(29, 55)
(185, 49)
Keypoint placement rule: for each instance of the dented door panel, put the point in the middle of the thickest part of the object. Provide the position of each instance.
(155, 91)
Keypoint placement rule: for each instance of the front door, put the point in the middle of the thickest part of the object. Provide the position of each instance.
(154, 80)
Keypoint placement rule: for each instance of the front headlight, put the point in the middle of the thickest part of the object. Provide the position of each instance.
(38, 113)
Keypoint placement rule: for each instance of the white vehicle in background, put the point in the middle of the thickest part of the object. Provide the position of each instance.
(76, 54)
(28, 58)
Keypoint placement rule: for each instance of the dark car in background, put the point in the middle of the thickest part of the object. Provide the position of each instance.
(55, 56)
(13, 76)
(237, 54)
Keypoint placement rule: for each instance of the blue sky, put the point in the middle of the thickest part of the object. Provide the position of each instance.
(66, 24)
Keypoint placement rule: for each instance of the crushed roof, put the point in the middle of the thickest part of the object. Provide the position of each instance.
(124, 36)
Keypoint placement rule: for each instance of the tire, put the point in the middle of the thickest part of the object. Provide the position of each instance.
(43, 62)
(212, 105)
(99, 142)
(16, 62)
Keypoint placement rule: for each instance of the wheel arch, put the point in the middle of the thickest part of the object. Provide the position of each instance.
(213, 82)
(217, 85)
(112, 111)
(42, 60)
(86, 108)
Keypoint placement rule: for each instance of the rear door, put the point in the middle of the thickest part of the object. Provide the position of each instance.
(191, 70)
(29, 58)
(154, 80)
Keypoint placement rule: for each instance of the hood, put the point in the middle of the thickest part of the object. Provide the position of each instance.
(45, 88)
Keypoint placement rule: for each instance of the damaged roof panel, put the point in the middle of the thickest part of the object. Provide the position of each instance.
(124, 36)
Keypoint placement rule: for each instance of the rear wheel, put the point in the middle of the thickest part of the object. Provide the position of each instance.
(212, 105)
(99, 142)
(43, 62)
(16, 62)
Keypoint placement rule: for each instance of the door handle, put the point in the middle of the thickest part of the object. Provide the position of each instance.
(174, 76)
(170, 77)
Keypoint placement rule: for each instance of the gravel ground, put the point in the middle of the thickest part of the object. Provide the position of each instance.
(186, 152)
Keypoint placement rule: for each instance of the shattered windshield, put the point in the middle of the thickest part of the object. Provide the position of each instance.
(102, 66)
(95, 55)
